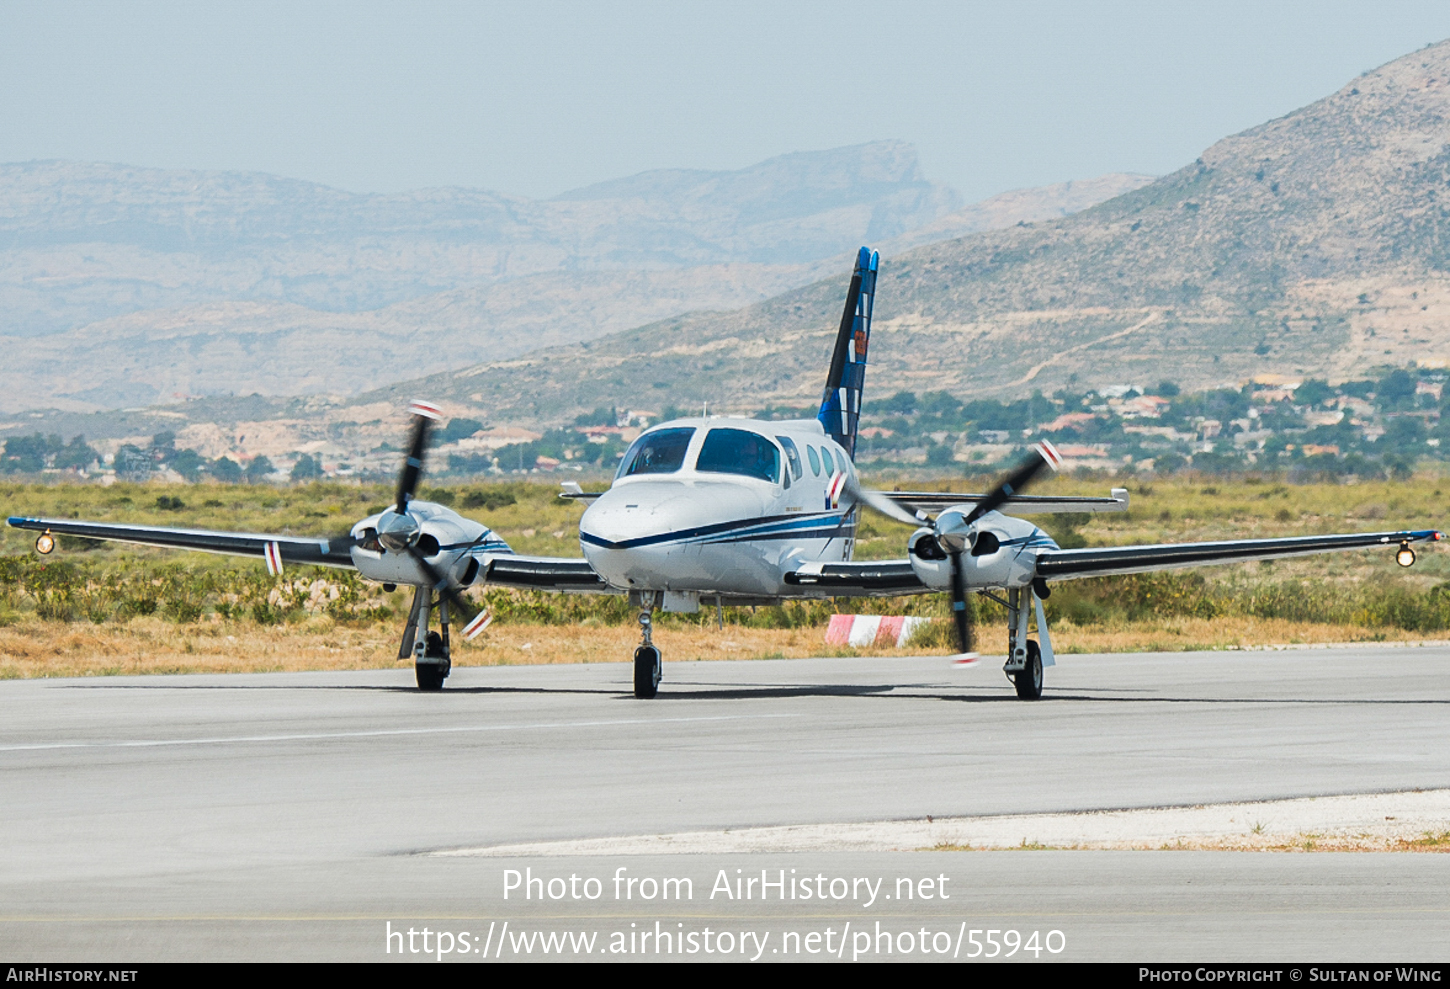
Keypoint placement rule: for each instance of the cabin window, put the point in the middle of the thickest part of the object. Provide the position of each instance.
(815, 461)
(792, 457)
(739, 451)
(659, 452)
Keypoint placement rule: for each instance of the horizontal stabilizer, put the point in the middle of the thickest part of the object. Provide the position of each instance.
(574, 492)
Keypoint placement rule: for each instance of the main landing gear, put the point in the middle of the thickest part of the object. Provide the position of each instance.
(648, 667)
(431, 662)
(1028, 680)
(1025, 658)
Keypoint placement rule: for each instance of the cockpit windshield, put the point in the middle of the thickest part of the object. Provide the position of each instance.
(739, 451)
(659, 452)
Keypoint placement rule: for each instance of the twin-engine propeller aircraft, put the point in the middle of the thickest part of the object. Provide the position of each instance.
(717, 510)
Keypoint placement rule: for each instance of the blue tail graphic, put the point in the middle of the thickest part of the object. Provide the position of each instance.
(841, 405)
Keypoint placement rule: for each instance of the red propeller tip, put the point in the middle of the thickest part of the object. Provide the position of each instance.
(1049, 453)
(426, 409)
(480, 622)
(965, 659)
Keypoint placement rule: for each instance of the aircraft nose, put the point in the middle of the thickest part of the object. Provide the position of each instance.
(637, 516)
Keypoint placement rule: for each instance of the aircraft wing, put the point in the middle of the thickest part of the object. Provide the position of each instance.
(936, 501)
(1065, 564)
(883, 578)
(543, 573)
(297, 550)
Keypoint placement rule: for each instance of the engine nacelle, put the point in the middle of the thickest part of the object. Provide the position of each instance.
(1003, 553)
(445, 539)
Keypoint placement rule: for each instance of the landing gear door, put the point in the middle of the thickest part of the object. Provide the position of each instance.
(1044, 640)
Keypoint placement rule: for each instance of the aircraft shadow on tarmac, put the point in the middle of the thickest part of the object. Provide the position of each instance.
(713, 692)
(903, 692)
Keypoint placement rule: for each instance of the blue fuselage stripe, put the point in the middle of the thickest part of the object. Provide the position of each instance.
(739, 530)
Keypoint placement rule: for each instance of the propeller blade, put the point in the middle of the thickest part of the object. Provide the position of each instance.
(1044, 454)
(424, 415)
(478, 619)
(877, 501)
(962, 614)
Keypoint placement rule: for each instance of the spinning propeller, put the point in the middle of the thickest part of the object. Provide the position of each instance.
(401, 532)
(954, 531)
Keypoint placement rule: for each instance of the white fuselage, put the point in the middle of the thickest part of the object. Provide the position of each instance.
(715, 526)
(694, 527)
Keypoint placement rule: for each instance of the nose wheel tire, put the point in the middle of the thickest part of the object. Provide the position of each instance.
(432, 674)
(1028, 680)
(647, 671)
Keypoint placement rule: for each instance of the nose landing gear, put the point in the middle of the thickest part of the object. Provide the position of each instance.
(648, 667)
(431, 660)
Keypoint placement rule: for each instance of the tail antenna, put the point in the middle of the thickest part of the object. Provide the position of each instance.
(841, 404)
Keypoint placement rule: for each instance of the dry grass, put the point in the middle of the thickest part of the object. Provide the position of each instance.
(1223, 632)
(150, 645)
(34, 648)
(1429, 841)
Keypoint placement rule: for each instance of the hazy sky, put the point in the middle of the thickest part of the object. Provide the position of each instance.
(535, 98)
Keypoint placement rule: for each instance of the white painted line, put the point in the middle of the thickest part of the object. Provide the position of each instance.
(379, 733)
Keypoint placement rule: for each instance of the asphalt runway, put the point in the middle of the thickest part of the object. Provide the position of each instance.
(289, 816)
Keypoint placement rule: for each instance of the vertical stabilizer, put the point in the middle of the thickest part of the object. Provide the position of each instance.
(841, 405)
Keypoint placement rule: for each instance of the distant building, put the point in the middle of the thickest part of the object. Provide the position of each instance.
(1065, 421)
(1143, 407)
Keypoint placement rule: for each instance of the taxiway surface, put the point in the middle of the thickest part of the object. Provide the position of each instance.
(280, 815)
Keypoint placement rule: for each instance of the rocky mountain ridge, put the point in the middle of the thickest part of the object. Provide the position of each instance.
(215, 283)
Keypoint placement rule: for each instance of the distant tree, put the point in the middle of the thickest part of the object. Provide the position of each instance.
(29, 454)
(938, 455)
(1403, 434)
(602, 416)
(516, 456)
(1166, 389)
(903, 403)
(1395, 387)
(132, 463)
(76, 455)
(939, 405)
(226, 470)
(457, 429)
(1313, 392)
(307, 469)
(163, 447)
(469, 463)
(189, 464)
(258, 470)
